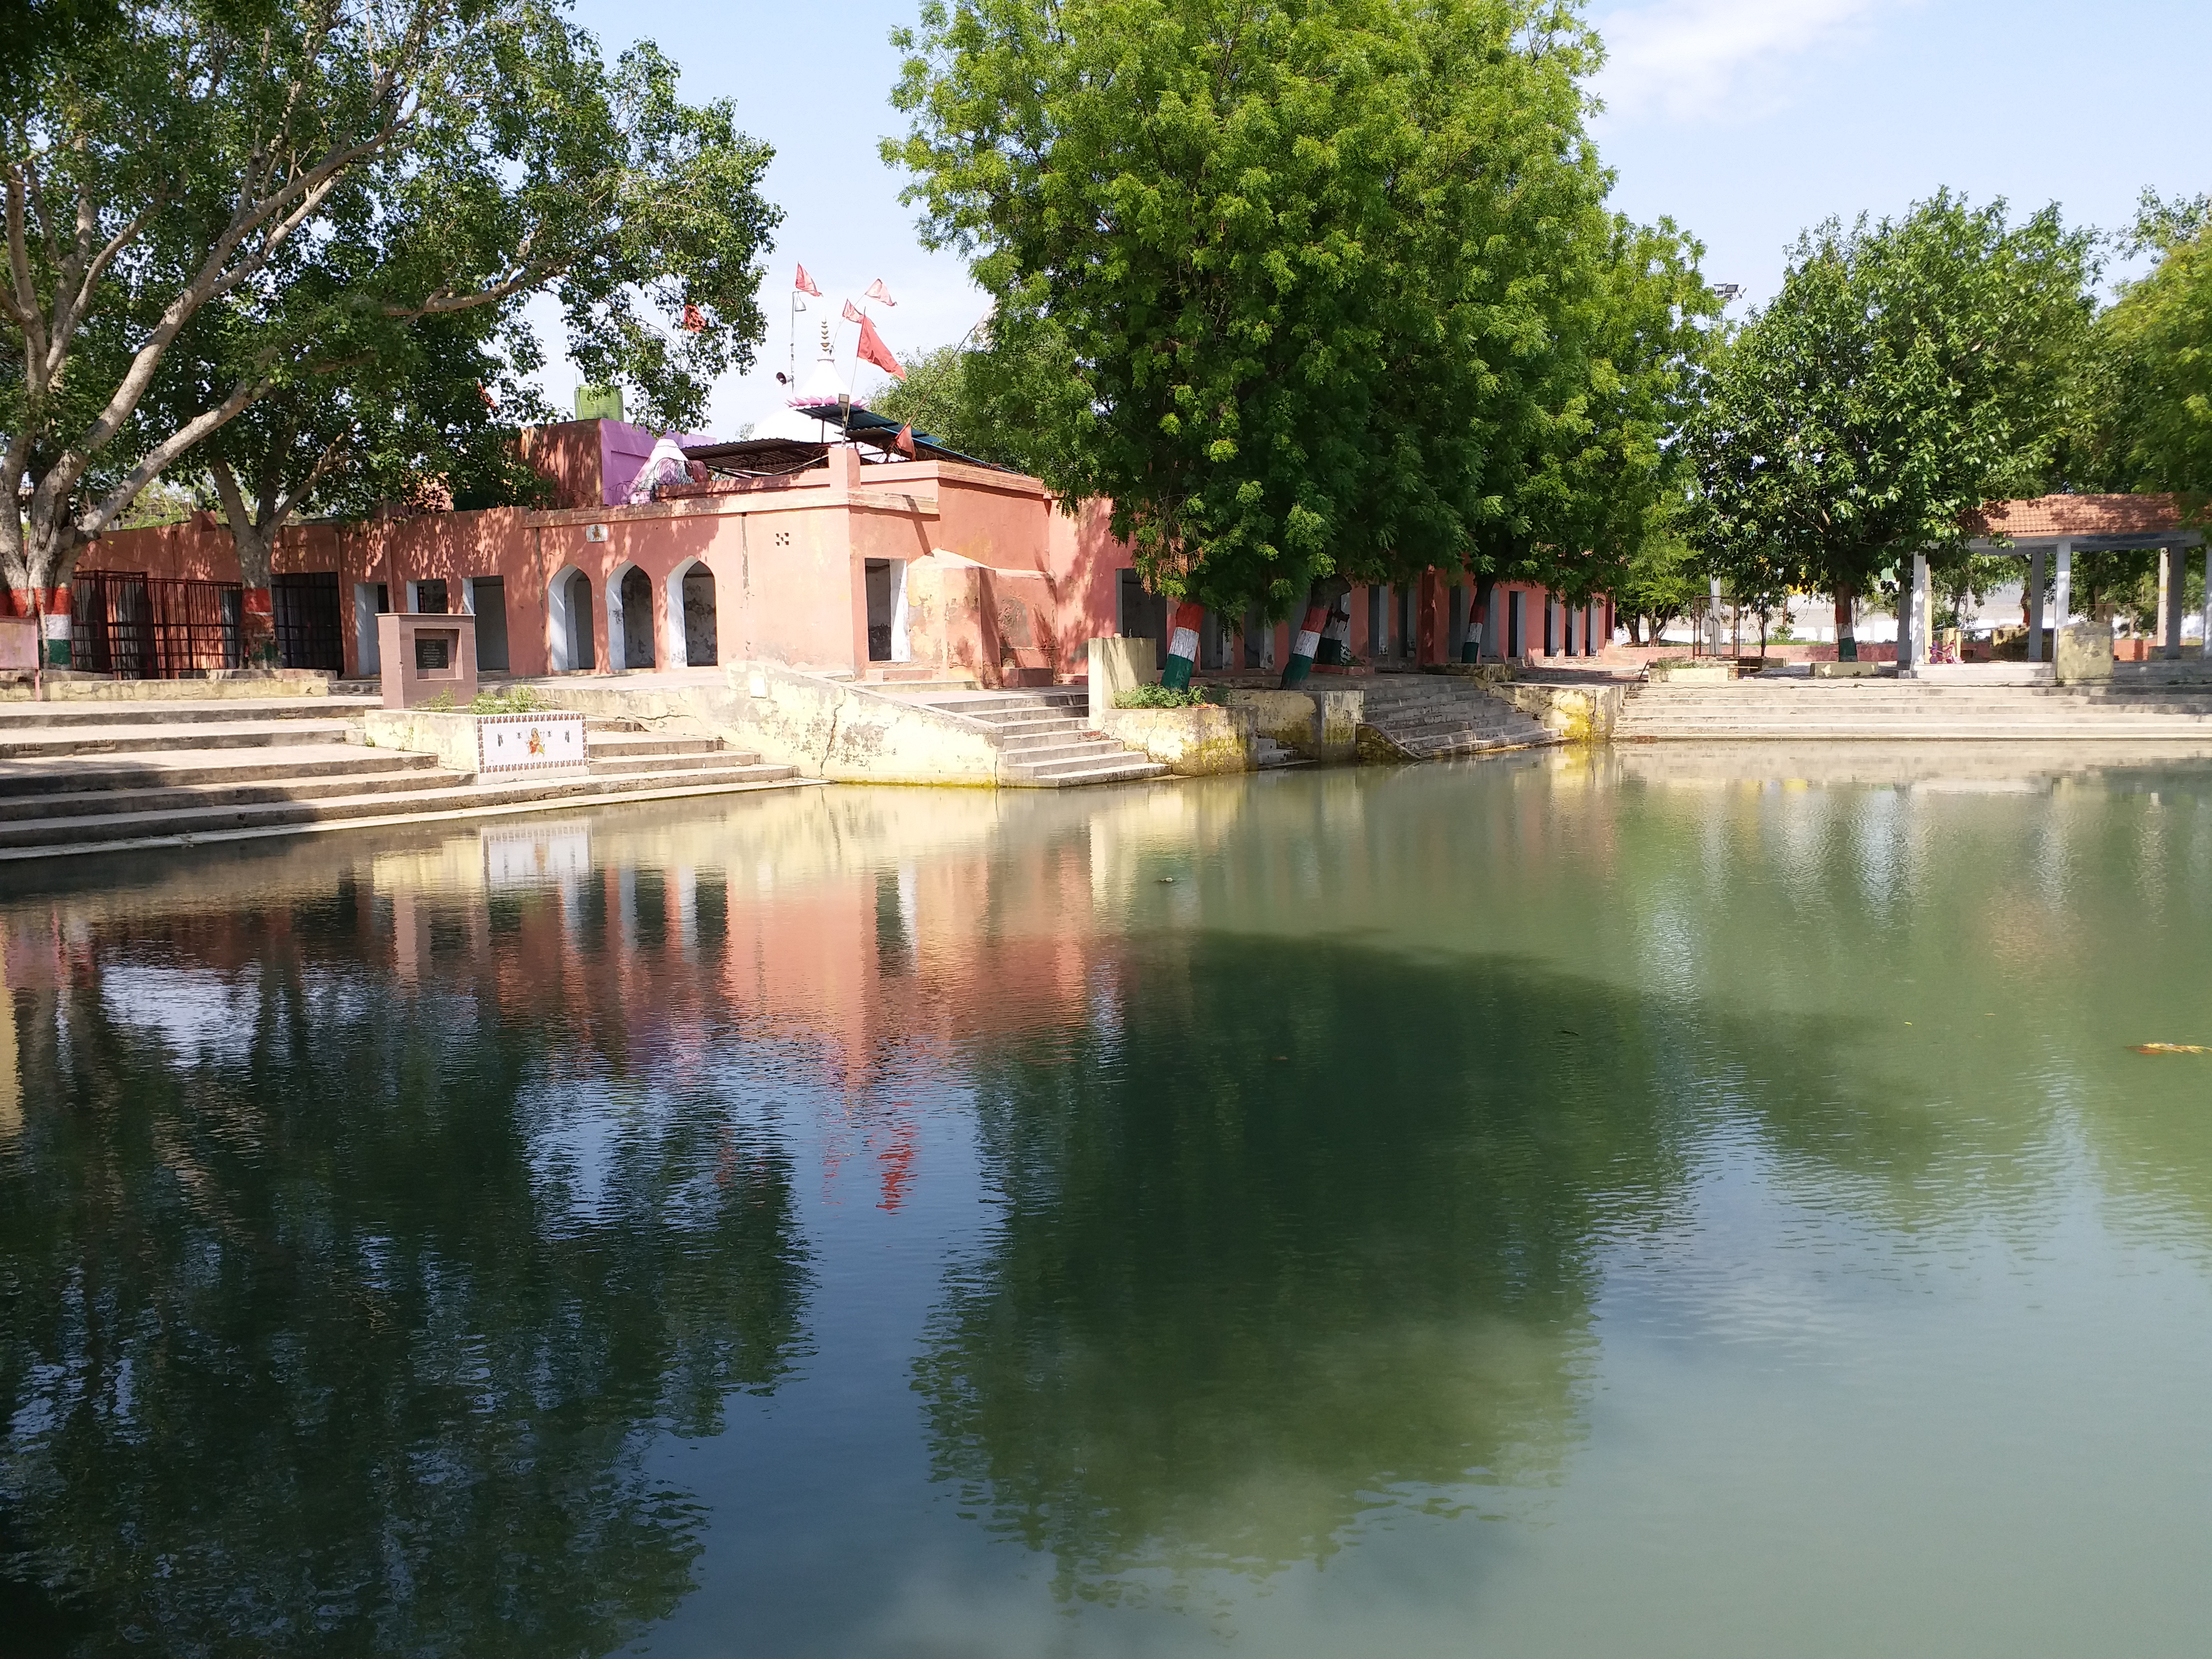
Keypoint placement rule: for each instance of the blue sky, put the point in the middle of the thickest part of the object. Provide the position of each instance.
(1745, 122)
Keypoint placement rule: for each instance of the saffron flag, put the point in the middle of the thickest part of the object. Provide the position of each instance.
(877, 292)
(854, 313)
(695, 319)
(904, 442)
(872, 349)
(804, 284)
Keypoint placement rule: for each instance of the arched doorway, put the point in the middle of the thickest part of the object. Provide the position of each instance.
(568, 622)
(692, 639)
(629, 619)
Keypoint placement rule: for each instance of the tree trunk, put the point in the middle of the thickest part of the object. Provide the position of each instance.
(1480, 638)
(38, 550)
(253, 537)
(1847, 644)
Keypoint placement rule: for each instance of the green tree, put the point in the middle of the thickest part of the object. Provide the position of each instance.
(1908, 371)
(1287, 282)
(328, 170)
(2157, 341)
(1663, 578)
(979, 400)
(431, 415)
(1598, 481)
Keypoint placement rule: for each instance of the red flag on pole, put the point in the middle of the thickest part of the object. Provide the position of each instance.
(877, 292)
(854, 313)
(904, 442)
(872, 349)
(804, 284)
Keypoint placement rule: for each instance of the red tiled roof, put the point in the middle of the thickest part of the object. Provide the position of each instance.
(2077, 515)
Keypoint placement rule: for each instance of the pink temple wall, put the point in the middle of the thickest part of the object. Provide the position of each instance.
(999, 580)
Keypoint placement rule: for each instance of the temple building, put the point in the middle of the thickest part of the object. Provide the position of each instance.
(828, 539)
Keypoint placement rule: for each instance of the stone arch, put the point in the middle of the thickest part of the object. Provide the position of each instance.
(630, 618)
(693, 633)
(568, 646)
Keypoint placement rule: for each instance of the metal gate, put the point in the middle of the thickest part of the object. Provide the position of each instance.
(154, 627)
(309, 633)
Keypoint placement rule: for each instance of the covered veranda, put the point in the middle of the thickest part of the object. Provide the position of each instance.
(2053, 529)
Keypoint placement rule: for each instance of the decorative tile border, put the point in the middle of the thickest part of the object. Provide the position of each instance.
(508, 746)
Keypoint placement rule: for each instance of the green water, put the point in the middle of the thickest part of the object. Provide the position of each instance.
(1669, 1204)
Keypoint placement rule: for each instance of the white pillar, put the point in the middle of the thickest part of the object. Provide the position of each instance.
(2206, 647)
(1918, 609)
(2035, 605)
(1713, 614)
(2172, 587)
(2062, 607)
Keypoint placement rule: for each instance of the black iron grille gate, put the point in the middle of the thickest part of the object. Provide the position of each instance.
(309, 633)
(154, 627)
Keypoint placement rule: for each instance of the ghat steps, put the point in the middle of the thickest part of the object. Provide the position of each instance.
(1043, 735)
(1911, 710)
(81, 777)
(1435, 716)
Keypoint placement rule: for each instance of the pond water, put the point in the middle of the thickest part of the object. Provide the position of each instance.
(1671, 1203)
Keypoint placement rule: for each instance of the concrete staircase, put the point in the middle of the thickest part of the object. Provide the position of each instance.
(84, 775)
(1043, 735)
(1891, 710)
(1435, 716)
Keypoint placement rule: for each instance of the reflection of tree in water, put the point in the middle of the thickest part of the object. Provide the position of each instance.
(302, 1352)
(1301, 1227)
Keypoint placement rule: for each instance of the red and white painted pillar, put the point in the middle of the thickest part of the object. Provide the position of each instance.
(51, 606)
(1182, 647)
(1335, 646)
(1304, 645)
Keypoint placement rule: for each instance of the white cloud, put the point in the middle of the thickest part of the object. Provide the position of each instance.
(1703, 60)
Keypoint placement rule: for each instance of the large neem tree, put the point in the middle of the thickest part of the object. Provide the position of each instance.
(320, 171)
(1286, 282)
(2157, 349)
(1908, 371)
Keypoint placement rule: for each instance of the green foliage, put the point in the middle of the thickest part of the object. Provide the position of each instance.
(2158, 340)
(933, 398)
(222, 204)
(1161, 696)
(1908, 371)
(1317, 289)
(966, 400)
(513, 700)
(1662, 580)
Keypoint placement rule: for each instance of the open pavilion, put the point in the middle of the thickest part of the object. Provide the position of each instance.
(2059, 526)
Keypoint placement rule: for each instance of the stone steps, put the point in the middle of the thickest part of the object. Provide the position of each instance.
(20, 741)
(77, 785)
(1044, 737)
(441, 792)
(1859, 710)
(56, 776)
(89, 713)
(1435, 717)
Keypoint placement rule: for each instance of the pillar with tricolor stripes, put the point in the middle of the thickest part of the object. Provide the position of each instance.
(1304, 645)
(1182, 647)
(1478, 617)
(1335, 646)
(52, 606)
